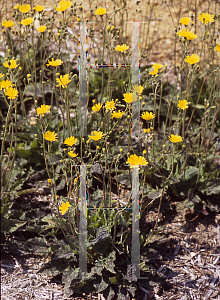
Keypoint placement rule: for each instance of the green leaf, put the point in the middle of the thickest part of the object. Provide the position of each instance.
(191, 172)
(99, 287)
(10, 225)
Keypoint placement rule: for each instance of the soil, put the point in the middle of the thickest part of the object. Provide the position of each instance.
(187, 247)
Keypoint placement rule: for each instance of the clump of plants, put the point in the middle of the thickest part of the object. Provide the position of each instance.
(99, 129)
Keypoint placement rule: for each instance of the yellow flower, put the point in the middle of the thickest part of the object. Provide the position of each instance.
(156, 67)
(43, 109)
(1, 75)
(183, 104)
(27, 21)
(217, 48)
(146, 130)
(63, 5)
(16, 6)
(55, 63)
(70, 141)
(183, 33)
(117, 115)
(39, 8)
(5, 84)
(135, 160)
(72, 154)
(63, 80)
(175, 138)
(11, 93)
(121, 48)
(96, 107)
(185, 20)
(191, 36)
(100, 11)
(128, 97)
(24, 8)
(50, 181)
(8, 23)
(205, 18)
(50, 136)
(110, 105)
(41, 28)
(64, 207)
(147, 116)
(193, 59)
(13, 64)
(96, 135)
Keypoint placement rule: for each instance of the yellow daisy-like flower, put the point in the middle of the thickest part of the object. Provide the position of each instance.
(55, 63)
(121, 48)
(11, 93)
(185, 20)
(24, 8)
(63, 80)
(5, 84)
(217, 47)
(135, 160)
(156, 67)
(175, 138)
(96, 135)
(70, 141)
(183, 104)
(63, 5)
(16, 6)
(100, 11)
(39, 8)
(96, 107)
(146, 130)
(193, 59)
(128, 97)
(183, 33)
(50, 181)
(8, 23)
(50, 136)
(117, 115)
(41, 28)
(64, 207)
(1, 75)
(12, 65)
(148, 116)
(72, 154)
(191, 36)
(27, 21)
(43, 109)
(110, 105)
(206, 18)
